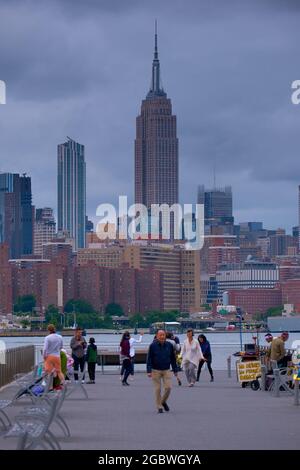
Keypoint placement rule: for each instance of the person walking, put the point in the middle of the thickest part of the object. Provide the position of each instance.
(78, 346)
(125, 358)
(191, 356)
(91, 358)
(160, 357)
(206, 351)
(174, 340)
(53, 345)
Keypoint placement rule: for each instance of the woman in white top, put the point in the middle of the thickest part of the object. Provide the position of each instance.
(132, 350)
(191, 356)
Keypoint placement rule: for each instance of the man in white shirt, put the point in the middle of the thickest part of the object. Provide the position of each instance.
(51, 353)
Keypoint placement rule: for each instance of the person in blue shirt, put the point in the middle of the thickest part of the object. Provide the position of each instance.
(160, 357)
(206, 351)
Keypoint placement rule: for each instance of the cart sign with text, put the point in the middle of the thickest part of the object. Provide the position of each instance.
(248, 370)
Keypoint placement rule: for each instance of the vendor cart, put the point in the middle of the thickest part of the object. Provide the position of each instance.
(248, 367)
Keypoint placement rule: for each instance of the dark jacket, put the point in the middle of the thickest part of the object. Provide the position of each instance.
(161, 357)
(205, 348)
(125, 348)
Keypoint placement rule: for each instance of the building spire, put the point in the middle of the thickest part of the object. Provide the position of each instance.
(155, 46)
(156, 88)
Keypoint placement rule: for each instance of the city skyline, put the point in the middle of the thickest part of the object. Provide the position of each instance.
(249, 133)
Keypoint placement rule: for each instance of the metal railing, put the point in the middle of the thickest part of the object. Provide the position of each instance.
(15, 361)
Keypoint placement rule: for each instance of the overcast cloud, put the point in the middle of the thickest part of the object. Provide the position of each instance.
(81, 69)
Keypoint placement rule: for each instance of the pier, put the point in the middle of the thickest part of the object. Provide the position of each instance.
(218, 415)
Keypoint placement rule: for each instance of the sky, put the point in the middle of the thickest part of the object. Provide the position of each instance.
(81, 69)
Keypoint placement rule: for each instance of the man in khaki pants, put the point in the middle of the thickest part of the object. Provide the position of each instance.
(160, 357)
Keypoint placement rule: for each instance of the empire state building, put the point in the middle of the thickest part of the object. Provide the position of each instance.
(156, 145)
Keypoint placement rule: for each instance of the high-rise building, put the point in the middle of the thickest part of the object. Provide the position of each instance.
(71, 187)
(180, 269)
(217, 207)
(27, 215)
(6, 306)
(248, 275)
(299, 217)
(280, 242)
(44, 229)
(156, 146)
(16, 214)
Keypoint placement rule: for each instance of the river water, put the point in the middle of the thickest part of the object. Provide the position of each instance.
(222, 344)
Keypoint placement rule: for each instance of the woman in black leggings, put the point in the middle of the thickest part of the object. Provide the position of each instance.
(206, 351)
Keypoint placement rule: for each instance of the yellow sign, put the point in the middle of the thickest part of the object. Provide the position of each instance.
(248, 370)
(296, 375)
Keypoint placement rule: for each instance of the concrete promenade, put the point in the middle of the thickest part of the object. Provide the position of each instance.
(219, 415)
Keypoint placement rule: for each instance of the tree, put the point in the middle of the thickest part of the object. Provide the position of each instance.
(25, 322)
(271, 312)
(25, 304)
(53, 316)
(138, 320)
(78, 306)
(157, 316)
(114, 309)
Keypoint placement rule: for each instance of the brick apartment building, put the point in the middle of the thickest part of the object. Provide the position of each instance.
(255, 300)
(291, 293)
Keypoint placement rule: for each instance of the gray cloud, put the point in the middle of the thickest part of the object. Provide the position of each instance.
(81, 68)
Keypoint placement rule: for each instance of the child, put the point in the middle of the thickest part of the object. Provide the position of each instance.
(91, 357)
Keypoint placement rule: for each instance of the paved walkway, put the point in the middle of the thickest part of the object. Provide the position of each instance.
(219, 415)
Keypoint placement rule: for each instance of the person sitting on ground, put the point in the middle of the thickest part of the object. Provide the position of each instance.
(278, 353)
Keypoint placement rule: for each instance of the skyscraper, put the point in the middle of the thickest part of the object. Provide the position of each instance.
(16, 214)
(44, 229)
(156, 145)
(299, 216)
(217, 205)
(71, 188)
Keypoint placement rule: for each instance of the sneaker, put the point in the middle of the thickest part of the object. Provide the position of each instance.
(76, 381)
(165, 406)
(90, 382)
(160, 410)
(212, 379)
(179, 382)
(191, 384)
(82, 381)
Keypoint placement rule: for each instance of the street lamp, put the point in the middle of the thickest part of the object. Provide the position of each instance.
(240, 318)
